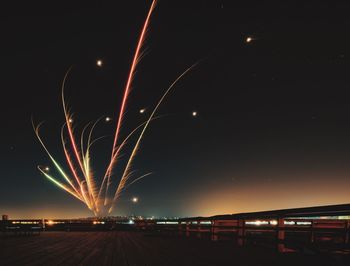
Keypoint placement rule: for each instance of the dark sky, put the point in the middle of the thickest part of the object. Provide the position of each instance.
(273, 126)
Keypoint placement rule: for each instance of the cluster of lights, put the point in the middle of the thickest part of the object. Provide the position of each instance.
(297, 223)
(257, 223)
(167, 222)
(274, 222)
(50, 222)
(289, 222)
(194, 222)
(98, 222)
(25, 222)
(303, 223)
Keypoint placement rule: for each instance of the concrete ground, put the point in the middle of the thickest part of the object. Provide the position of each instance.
(136, 248)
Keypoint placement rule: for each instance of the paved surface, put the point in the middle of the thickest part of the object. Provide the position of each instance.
(134, 249)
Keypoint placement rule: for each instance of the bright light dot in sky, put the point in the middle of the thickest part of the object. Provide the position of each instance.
(70, 120)
(107, 119)
(194, 113)
(47, 168)
(249, 39)
(135, 200)
(142, 110)
(99, 62)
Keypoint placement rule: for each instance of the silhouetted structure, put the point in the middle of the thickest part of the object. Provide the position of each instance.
(288, 229)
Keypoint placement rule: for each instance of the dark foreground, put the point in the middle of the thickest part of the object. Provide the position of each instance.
(134, 248)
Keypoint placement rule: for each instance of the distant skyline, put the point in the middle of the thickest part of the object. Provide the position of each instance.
(261, 123)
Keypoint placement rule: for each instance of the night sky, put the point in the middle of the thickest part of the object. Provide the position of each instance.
(273, 124)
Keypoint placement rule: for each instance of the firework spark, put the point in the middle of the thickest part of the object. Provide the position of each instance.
(81, 183)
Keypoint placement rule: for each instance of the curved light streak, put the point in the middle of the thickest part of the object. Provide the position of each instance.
(83, 184)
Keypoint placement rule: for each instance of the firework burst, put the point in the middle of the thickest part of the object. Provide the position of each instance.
(80, 181)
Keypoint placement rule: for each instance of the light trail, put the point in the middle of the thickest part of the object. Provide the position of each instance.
(59, 184)
(126, 174)
(135, 61)
(83, 185)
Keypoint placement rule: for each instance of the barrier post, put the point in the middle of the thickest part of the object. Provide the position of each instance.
(241, 233)
(214, 236)
(347, 228)
(281, 234)
(199, 228)
(187, 229)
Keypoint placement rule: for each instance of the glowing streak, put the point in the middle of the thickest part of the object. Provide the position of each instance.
(136, 180)
(60, 185)
(82, 143)
(68, 158)
(116, 154)
(90, 134)
(86, 200)
(69, 125)
(87, 190)
(36, 129)
(95, 140)
(129, 82)
(89, 180)
(125, 175)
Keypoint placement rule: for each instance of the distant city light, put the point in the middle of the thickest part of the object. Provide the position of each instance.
(303, 223)
(257, 223)
(24, 222)
(273, 222)
(289, 222)
(98, 222)
(167, 222)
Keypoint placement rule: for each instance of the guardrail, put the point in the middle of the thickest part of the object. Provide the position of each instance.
(287, 234)
(24, 227)
(324, 227)
(288, 230)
